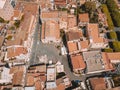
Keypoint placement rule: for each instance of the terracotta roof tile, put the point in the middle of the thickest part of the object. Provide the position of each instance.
(98, 84)
(108, 65)
(1, 40)
(43, 30)
(84, 44)
(18, 80)
(61, 86)
(114, 56)
(53, 14)
(38, 85)
(59, 81)
(15, 51)
(74, 35)
(77, 61)
(17, 13)
(15, 69)
(30, 80)
(43, 78)
(77, 46)
(72, 21)
(31, 10)
(115, 88)
(25, 25)
(60, 2)
(72, 46)
(51, 29)
(45, 3)
(93, 33)
(39, 68)
(84, 17)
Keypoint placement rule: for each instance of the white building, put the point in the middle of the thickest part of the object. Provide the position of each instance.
(59, 67)
(5, 77)
(51, 73)
(51, 86)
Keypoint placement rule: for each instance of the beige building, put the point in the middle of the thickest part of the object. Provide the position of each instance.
(7, 9)
(50, 27)
(78, 64)
(95, 38)
(83, 19)
(51, 32)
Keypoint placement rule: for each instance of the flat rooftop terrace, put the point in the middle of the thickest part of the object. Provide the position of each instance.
(93, 61)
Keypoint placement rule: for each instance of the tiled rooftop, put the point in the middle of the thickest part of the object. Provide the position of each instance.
(60, 2)
(25, 27)
(39, 68)
(74, 35)
(1, 41)
(38, 85)
(52, 14)
(72, 21)
(84, 17)
(61, 87)
(15, 69)
(18, 78)
(77, 62)
(84, 44)
(50, 29)
(77, 46)
(30, 80)
(72, 46)
(93, 33)
(17, 15)
(36, 77)
(98, 83)
(113, 56)
(107, 62)
(15, 51)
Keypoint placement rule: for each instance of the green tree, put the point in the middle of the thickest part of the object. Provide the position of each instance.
(116, 18)
(90, 6)
(9, 37)
(109, 19)
(107, 50)
(116, 46)
(113, 35)
(116, 80)
(114, 11)
(12, 28)
(2, 20)
(93, 18)
(112, 5)
(17, 23)
(80, 10)
(62, 32)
